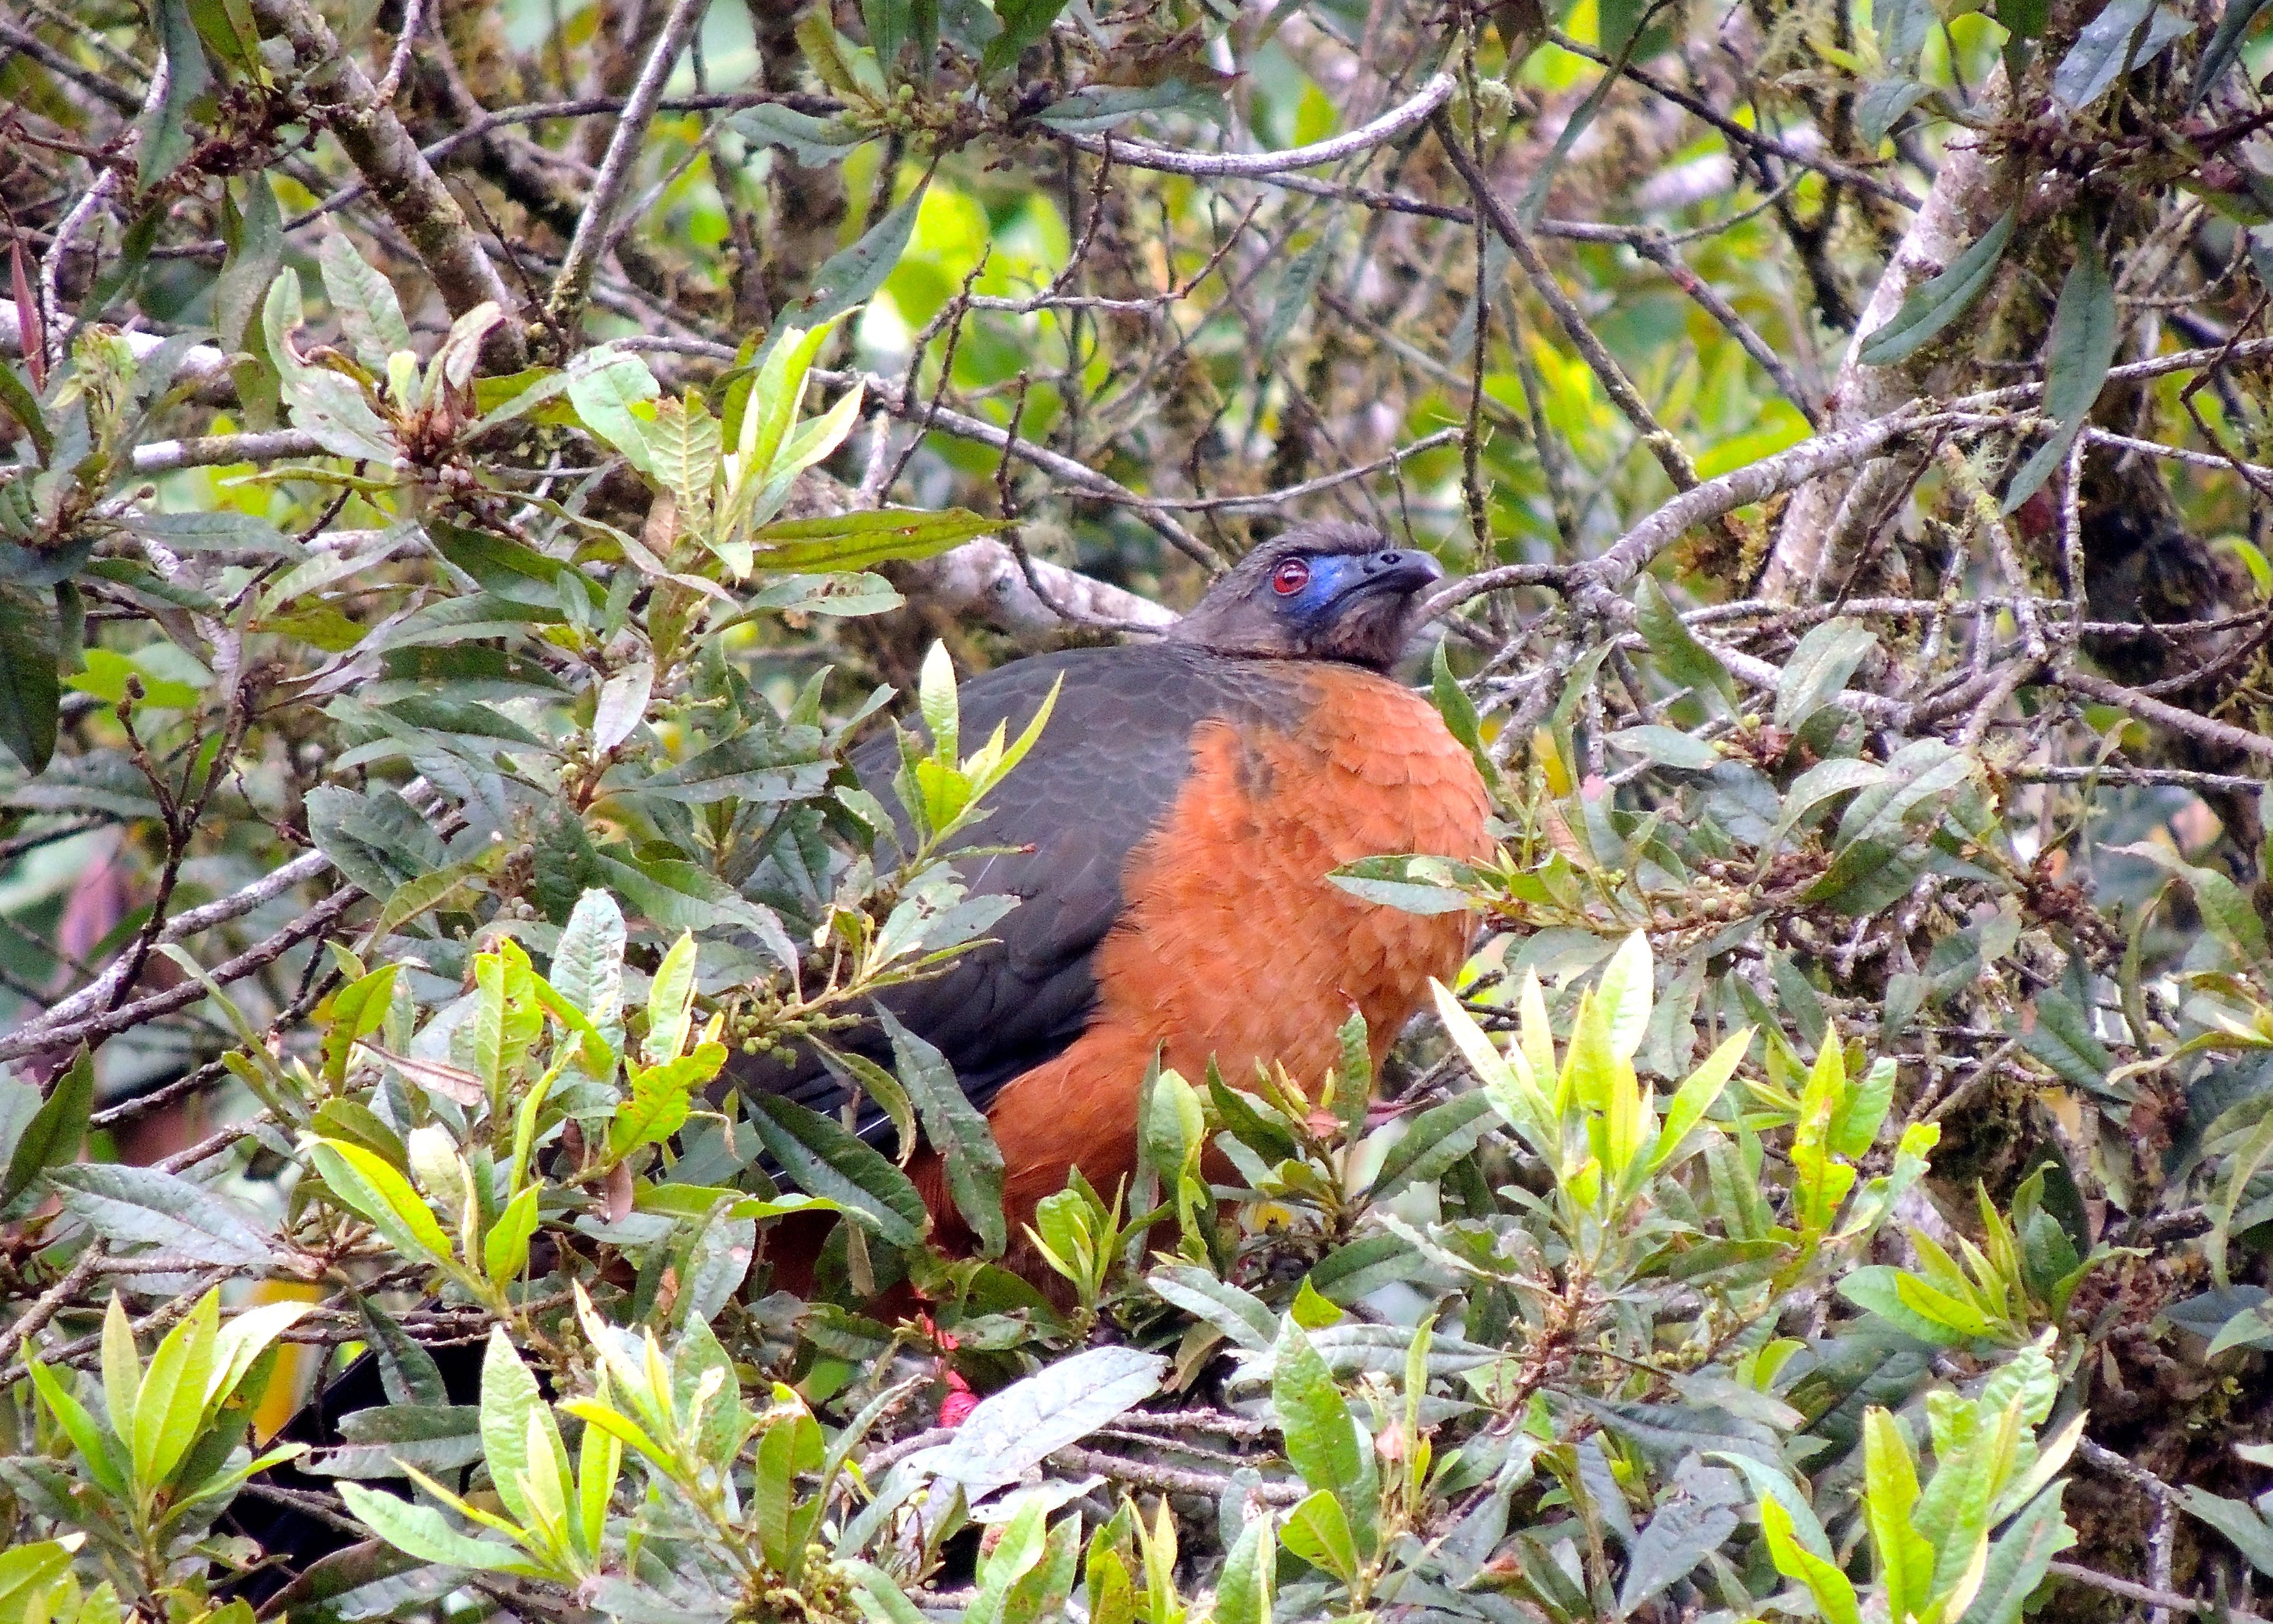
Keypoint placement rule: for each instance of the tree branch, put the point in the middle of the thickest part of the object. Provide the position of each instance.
(1969, 193)
(399, 175)
(565, 305)
(1144, 155)
(35, 1035)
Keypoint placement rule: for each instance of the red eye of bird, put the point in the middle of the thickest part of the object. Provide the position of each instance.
(1290, 577)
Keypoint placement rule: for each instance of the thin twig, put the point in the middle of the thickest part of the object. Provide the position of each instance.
(564, 307)
(1406, 116)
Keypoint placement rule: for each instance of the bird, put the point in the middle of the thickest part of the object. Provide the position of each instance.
(1169, 840)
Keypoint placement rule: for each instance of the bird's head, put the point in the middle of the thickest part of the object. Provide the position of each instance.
(1323, 591)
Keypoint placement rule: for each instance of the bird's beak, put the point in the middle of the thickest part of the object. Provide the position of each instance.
(1399, 570)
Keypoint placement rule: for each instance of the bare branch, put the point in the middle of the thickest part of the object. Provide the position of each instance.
(32, 1037)
(1406, 115)
(565, 305)
(217, 450)
(14, 35)
(1968, 195)
(400, 177)
(1659, 441)
(2191, 723)
(982, 579)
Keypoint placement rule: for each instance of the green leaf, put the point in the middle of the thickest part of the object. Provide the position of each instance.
(843, 66)
(370, 315)
(1768, 1482)
(879, 1596)
(1170, 1124)
(1834, 1592)
(229, 32)
(1856, 1120)
(121, 1368)
(2077, 354)
(1884, 104)
(1033, 1418)
(1362, 1266)
(819, 1156)
(2250, 1533)
(1819, 667)
(763, 764)
(850, 275)
(1433, 1141)
(166, 135)
(512, 1415)
(1939, 302)
(670, 1003)
(1413, 884)
(1296, 289)
(1890, 1489)
(1624, 993)
(2124, 34)
(1096, 107)
(660, 1100)
(1024, 22)
(255, 238)
(958, 1131)
(588, 965)
(242, 1340)
(816, 143)
(172, 1401)
(2225, 907)
(52, 1136)
(848, 542)
(2224, 48)
(381, 1196)
(2026, 19)
(1322, 1440)
(603, 385)
(1242, 1589)
(881, 1087)
(677, 895)
(16, 397)
(29, 1569)
(1240, 1315)
(30, 695)
(894, 26)
(2061, 1037)
(144, 1205)
(1318, 1531)
(504, 1250)
(2020, 1559)
(325, 403)
(1006, 1571)
(421, 1532)
(1666, 746)
(2081, 343)
(99, 1449)
(1685, 659)
(2254, 1151)
(772, 1491)
(441, 1437)
(1696, 1097)
(1876, 1287)
(1681, 1533)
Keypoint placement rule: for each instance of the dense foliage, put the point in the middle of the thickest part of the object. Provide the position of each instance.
(473, 470)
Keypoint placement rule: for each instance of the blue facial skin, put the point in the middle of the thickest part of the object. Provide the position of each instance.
(1337, 581)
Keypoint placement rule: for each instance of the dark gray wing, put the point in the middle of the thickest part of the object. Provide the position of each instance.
(1115, 752)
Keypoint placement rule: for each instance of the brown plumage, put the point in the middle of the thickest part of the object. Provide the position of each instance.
(1184, 805)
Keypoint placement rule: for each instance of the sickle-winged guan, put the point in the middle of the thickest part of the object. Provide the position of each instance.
(1183, 806)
